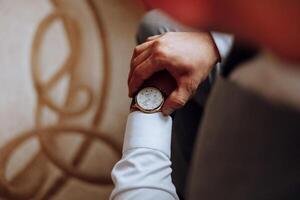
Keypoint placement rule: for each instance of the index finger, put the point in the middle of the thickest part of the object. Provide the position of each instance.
(142, 73)
(140, 48)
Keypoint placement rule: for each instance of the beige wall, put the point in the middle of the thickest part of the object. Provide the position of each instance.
(63, 103)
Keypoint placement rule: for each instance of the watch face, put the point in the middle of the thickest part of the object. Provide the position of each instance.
(149, 98)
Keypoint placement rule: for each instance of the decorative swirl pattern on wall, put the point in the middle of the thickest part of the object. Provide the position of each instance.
(45, 134)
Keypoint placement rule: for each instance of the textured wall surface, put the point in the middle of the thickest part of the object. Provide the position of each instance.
(63, 95)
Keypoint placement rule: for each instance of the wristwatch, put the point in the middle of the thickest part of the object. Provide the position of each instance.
(148, 100)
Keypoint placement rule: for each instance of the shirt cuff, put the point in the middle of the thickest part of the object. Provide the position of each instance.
(223, 42)
(148, 131)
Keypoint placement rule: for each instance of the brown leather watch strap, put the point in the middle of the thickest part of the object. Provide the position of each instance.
(132, 106)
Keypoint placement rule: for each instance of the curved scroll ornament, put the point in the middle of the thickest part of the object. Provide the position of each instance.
(45, 134)
(67, 68)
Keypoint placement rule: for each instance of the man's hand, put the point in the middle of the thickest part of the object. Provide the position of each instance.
(187, 56)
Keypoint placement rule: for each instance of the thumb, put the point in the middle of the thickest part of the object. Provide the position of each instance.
(176, 100)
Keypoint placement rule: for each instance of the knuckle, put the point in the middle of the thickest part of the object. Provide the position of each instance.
(135, 50)
(156, 44)
(159, 51)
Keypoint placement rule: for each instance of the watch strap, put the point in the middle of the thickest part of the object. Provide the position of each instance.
(133, 106)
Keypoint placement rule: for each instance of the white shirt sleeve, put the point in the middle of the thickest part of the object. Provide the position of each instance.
(144, 171)
(224, 43)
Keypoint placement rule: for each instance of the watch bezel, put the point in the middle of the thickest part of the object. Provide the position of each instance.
(157, 109)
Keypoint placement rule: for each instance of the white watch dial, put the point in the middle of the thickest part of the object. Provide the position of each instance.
(149, 98)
